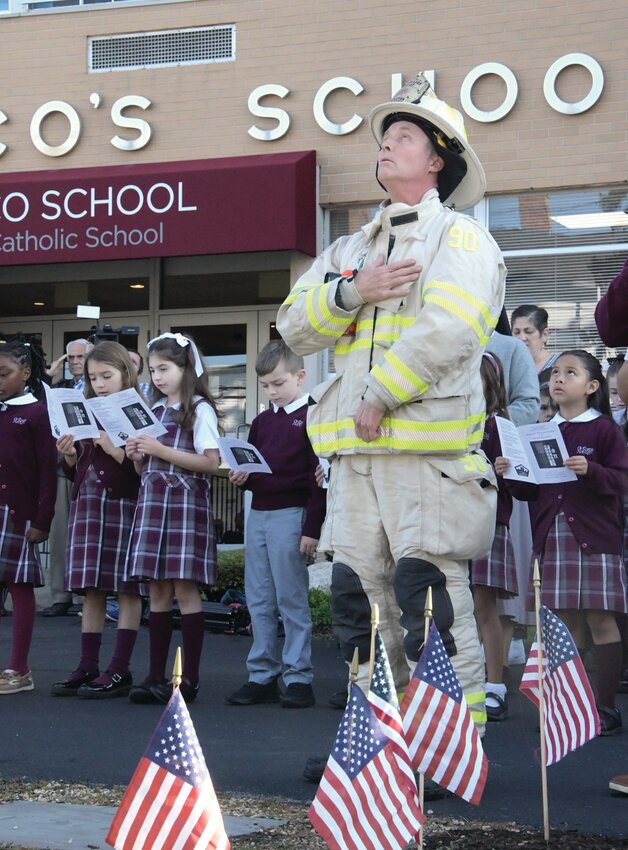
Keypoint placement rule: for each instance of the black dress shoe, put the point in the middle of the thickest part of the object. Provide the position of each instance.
(58, 609)
(188, 690)
(142, 694)
(298, 695)
(118, 686)
(253, 693)
(70, 686)
(161, 691)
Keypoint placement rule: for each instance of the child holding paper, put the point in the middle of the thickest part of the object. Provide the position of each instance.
(495, 575)
(104, 495)
(283, 529)
(173, 543)
(28, 488)
(578, 525)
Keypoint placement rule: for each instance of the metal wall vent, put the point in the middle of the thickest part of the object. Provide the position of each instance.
(193, 46)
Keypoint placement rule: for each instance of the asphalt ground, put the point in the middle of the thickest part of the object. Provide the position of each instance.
(261, 750)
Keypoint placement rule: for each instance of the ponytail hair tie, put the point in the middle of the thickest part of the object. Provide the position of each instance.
(183, 342)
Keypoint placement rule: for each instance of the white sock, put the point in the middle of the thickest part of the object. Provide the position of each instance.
(495, 688)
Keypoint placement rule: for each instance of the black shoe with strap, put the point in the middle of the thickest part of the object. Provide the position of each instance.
(69, 687)
(112, 685)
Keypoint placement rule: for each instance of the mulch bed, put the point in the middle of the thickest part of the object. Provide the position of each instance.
(297, 832)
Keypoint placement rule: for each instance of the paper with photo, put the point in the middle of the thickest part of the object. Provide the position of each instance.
(69, 413)
(125, 415)
(537, 453)
(241, 456)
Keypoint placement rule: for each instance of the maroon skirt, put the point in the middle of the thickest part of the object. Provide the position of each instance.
(573, 579)
(497, 569)
(19, 560)
(173, 530)
(98, 538)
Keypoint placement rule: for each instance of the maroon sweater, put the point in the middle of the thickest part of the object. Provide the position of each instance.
(593, 505)
(611, 313)
(119, 479)
(282, 439)
(28, 464)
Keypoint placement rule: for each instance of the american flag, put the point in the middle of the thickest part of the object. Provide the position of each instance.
(571, 718)
(365, 801)
(442, 739)
(170, 802)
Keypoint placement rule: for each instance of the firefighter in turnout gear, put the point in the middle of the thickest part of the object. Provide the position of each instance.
(409, 303)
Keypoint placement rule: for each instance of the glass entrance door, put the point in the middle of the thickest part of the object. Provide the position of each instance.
(228, 343)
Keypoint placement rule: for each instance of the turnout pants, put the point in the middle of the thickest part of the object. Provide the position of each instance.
(397, 524)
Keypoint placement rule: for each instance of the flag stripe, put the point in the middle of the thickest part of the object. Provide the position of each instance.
(160, 796)
(170, 803)
(367, 798)
(571, 717)
(136, 798)
(442, 740)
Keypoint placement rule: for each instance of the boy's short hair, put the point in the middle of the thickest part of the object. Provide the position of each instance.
(273, 354)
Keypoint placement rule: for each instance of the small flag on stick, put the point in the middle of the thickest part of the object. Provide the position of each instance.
(170, 802)
(365, 801)
(442, 739)
(571, 717)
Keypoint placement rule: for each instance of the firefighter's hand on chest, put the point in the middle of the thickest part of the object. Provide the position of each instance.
(367, 421)
(380, 280)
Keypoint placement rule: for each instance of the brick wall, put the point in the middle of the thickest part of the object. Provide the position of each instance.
(201, 111)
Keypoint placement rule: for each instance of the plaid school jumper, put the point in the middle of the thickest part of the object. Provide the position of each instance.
(173, 529)
(100, 523)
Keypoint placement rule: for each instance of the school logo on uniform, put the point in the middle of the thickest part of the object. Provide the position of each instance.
(298, 423)
(18, 420)
(584, 450)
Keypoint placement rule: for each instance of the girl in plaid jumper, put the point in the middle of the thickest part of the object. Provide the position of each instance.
(495, 576)
(28, 488)
(104, 495)
(578, 525)
(173, 544)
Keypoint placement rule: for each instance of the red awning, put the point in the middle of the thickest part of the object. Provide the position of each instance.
(211, 206)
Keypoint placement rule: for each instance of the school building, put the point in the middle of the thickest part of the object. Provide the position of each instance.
(178, 163)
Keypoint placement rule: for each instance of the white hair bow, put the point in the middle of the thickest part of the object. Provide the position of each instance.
(184, 341)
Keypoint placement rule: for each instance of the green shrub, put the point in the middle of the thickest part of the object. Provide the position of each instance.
(230, 574)
(320, 606)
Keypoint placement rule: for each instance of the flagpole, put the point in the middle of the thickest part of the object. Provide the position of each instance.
(374, 625)
(177, 669)
(427, 615)
(354, 673)
(536, 580)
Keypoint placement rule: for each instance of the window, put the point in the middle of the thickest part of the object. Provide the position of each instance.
(562, 249)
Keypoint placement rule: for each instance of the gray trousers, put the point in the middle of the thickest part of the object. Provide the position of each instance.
(276, 583)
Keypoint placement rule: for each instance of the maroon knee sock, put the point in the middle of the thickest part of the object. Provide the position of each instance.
(23, 599)
(608, 657)
(90, 651)
(192, 633)
(160, 633)
(121, 659)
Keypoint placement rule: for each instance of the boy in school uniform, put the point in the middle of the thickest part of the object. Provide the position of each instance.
(283, 528)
